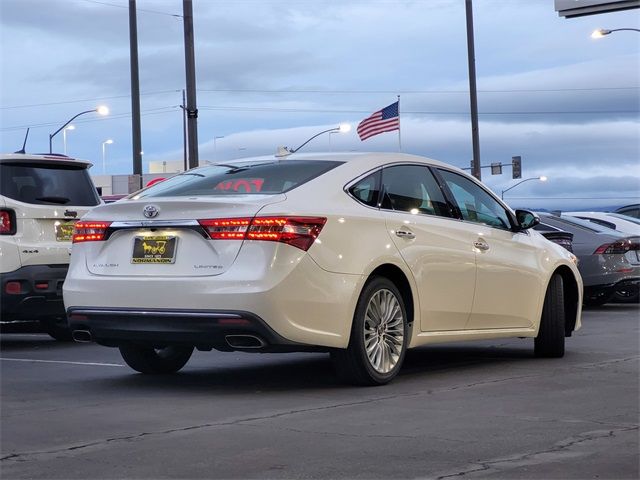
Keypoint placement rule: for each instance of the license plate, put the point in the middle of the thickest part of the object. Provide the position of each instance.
(154, 249)
(64, 231)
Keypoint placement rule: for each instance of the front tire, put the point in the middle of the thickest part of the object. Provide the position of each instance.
(151, 360)
(550, 339)
(379, 336)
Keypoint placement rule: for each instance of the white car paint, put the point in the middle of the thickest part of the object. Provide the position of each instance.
(459, 291)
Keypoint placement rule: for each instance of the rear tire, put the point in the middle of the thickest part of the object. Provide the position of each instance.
(379, 336)
(152, 360)
(550, 339)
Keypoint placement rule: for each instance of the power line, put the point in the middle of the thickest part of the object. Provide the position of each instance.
(137, 9)
(153, 111)
(411, 112)
(329, 92)
(159, 92)
(395, 92)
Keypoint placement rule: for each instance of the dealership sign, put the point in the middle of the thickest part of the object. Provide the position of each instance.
(579, 8)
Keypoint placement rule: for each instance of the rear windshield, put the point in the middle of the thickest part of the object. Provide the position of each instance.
(41, 184)
(265, 178)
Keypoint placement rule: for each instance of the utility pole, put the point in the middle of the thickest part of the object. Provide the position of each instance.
(135, 93)
(190, 67)
(473, 94)
(183, 109)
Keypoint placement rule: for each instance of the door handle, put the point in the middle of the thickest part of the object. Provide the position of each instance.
(405, 234)
(481, 245)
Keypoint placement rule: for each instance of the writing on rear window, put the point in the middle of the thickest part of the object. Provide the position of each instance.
(247, 185)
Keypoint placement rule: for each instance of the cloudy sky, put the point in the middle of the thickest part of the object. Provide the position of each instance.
(275, 72)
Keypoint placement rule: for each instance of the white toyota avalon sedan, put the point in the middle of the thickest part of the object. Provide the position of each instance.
(362, 255)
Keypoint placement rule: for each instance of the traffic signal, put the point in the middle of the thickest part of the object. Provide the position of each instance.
(516, 162)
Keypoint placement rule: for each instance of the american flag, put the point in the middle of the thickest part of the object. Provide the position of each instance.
(385, 120)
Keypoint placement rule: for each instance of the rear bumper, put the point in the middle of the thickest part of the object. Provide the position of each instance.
(205, 329)
(607, 290)
(40, 294)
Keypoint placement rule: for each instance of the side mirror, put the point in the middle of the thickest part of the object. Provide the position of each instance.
(527, 219)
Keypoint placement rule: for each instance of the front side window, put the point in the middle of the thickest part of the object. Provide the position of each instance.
(475, 204)
(267, 178)
(47, 184)
(413, 189)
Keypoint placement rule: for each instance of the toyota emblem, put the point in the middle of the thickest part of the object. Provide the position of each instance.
(150, 211)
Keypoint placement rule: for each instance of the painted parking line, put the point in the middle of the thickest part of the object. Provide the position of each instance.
(61, 361)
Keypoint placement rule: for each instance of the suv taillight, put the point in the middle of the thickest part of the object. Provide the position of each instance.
(7, 222)
(299, 232)
(619, 247)
(89, 231)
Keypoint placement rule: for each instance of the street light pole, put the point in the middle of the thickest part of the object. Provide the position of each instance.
(102, 110)
(64, 137)
(104, 155)
(601, 32)
(215, 149)
(284, 151)
(542, 179)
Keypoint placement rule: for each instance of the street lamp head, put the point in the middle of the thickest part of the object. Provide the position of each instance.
(70, 127)
(344, 128)
(599, 33)
(108, 142)
(543, 178)
(103, 110)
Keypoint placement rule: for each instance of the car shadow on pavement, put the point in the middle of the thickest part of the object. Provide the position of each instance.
(309, 371)
(19, 341)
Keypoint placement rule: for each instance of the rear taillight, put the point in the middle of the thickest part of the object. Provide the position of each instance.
(226, 228)
(89, 231)
(619, 247)
(299, 232)
(7, 222)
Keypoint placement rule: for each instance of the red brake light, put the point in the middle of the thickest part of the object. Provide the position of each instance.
(7, 222)
(619, 247)
(226, 228)
(299, 232)
(89, 231)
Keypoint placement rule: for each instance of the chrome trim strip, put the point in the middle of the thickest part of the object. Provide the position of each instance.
(155, 223)
(156, 313)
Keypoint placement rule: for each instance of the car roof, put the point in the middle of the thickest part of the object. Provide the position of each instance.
(371, 158)
(44, 158)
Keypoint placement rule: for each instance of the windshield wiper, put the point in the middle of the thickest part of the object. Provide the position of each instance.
(58, 200)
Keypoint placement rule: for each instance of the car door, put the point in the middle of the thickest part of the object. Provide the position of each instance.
(508, 286)
(435, 246)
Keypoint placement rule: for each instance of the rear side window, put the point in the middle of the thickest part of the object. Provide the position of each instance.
(240, 179)
(42, 184)
(367, 189)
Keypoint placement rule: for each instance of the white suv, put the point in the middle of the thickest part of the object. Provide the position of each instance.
(41, 197)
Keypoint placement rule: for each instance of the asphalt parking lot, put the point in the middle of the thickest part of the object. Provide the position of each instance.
(474, 410)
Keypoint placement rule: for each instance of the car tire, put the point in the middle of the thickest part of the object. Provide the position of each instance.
(379, 336)
(152, 360)
(551, 334)
(55, 331)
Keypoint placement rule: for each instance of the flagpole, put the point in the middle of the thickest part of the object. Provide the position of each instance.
(399, 138)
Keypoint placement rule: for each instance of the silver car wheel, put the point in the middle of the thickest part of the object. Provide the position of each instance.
(383, 331)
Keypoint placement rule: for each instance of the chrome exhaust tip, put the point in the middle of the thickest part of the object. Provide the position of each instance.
(82, 336)
(245, 341)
